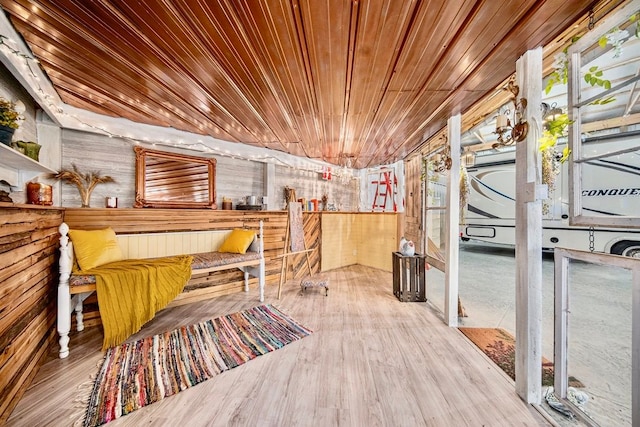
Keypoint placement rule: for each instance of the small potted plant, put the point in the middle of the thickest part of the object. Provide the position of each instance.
(10, 119)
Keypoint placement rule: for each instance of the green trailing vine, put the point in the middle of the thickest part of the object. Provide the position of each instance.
(594, 78)
(560, 74)
(556, 128)
(551, 158)
(633, 18)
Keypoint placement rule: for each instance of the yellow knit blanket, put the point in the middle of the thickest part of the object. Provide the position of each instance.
(130, 292)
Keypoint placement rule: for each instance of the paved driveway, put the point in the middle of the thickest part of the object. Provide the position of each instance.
(600, 322)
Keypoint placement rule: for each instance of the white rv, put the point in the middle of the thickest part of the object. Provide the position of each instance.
(611, 186)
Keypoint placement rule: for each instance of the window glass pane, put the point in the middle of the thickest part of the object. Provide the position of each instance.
(436, 186)
(599, 345)
(604, 108)
(436, 233)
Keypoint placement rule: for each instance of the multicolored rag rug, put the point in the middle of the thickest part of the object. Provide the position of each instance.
(139, 373)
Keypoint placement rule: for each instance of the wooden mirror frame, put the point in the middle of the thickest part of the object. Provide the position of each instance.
(143, 201)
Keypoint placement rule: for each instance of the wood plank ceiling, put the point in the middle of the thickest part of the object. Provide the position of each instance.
(325, 79)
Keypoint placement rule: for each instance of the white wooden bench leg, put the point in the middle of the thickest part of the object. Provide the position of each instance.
(261, 280)
(79, 315)
(261, 267)
(64, 319)
(246, 280)
(64, 296)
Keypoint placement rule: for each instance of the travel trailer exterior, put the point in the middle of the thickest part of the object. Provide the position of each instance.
(611, 186)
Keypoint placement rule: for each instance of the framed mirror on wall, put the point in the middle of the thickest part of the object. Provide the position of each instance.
(173, 180)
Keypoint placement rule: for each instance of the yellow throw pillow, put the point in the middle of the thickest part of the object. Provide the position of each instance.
(94, 248)
(238, 241)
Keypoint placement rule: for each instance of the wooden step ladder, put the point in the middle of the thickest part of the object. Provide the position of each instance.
(385, 187)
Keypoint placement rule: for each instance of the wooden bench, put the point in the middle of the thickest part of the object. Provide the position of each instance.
(73, 289)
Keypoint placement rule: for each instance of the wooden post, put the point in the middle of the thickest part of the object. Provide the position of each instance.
(452, 225)
(269, 187)
(528, 363)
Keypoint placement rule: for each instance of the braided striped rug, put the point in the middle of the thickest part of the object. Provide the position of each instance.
(139, 373)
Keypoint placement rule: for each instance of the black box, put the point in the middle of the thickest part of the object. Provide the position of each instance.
(409, 277)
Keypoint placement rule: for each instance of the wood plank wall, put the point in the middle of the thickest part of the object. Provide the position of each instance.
(28, 288)
(219, 283)
(413, 209)
(235, 178)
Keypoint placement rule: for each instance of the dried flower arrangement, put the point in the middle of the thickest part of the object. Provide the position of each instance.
(85, 182)
(289, 195)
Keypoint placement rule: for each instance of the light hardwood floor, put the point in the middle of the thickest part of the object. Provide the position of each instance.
(371, 361)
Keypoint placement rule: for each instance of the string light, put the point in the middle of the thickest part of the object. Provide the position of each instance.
(56, 106)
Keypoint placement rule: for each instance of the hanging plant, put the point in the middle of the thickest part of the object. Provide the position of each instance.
(616, 37)
(550, 170)
(429, 170)
(554, 129)
(560, 73)
(423, 169)
(430, 174)
(464, 192)
(551, 157)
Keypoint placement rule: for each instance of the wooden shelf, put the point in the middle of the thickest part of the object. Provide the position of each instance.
(27, 206)
(26, 167)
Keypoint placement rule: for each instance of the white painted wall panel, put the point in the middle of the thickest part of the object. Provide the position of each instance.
(168, 244)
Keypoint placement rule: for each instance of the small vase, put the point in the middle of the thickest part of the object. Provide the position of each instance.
(6, 133)
(408, 248)
(85, 197)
